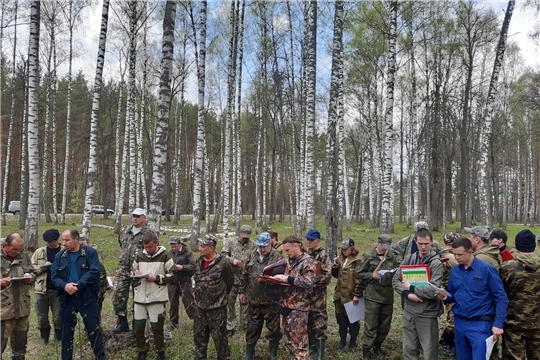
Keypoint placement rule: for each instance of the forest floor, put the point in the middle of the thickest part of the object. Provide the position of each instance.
(181, 345)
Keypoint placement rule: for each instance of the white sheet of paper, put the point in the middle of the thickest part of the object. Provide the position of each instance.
(489, 346)
(355, 313)
(440, 290)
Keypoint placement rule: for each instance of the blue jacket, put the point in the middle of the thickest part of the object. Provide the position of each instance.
(477, 291)
(88, 269)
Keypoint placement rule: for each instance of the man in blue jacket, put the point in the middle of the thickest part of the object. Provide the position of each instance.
(480, 301)
(75, 274)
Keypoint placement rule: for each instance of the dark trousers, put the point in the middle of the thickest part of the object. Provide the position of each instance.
(89, 314)
(177, 290)
(257, 314)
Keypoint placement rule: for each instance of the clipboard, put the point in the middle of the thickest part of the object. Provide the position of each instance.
(417, 275)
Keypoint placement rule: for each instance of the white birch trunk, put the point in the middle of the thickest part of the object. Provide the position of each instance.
(486, 196)
(162, 125)
(311, 68)
(387, 208)
(54, 86)
(92, 158)
(201, 130)
(31, 225)
(131, 104)
(24, 154)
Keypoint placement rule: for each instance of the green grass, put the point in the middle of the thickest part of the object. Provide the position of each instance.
(182, 344)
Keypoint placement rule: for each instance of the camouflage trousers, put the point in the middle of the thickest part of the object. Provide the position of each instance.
(318, 318)
(295, 335)
(211, 322)
(122, 283)
(16, 331)
(449, 317)
(184, 290)
(377, 322)
(231, 310)
(256, 317)
(520, 344)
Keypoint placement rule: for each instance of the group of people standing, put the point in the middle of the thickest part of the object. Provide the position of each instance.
(485, 296)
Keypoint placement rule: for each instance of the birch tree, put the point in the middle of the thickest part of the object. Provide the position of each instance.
(92, 158)
(332, 149)
(387, 206)
(201, 128)
(486, 173)
(31, 225)
(162, 125)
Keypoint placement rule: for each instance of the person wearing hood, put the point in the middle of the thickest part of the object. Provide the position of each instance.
(421, 307)
(521, 280)
(153, 269)
(483, 250)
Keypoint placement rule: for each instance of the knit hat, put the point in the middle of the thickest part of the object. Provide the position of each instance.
(525, 241)
(51, 235)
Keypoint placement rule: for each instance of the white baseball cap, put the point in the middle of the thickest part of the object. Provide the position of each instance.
(139, 211)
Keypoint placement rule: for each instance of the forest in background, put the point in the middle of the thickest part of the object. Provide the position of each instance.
(383, 111)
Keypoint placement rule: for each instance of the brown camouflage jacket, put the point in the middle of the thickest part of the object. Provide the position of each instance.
(302, 269)
(212, 286)
(15, 297)
(448, 265)
(235, 249)
(258, 293)
(130, 246)
(185, 258)
(322, 280)
(521, 279)
(279, 247)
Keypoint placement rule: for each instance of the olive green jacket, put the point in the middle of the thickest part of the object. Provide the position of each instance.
(379, 291)
(348, 283)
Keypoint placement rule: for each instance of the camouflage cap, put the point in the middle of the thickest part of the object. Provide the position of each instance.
(385, 240)
(347, 243)
(263, 239)
(245, 231)
(450, 237)
(420, 225)
(538, 237)
(481, 231)
(209, 240)
(175, 240)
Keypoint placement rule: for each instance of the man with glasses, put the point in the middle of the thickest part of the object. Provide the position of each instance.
(130, 240)
(318, 318)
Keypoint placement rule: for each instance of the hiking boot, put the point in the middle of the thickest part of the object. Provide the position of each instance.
(122, 327)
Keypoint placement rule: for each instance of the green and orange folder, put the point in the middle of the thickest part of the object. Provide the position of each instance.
(417, 275)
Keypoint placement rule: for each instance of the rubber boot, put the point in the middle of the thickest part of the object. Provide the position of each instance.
(161, 355)
(122, 327)
(58, 335)
(354, 330)
(274, 346)
(44, 334)
(141, 356)
(18, 344)
(250, 351)
(378, 351)
(321, 345)
(366, 353)
(312, 345)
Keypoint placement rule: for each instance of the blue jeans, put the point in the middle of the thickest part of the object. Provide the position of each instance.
(89, 314)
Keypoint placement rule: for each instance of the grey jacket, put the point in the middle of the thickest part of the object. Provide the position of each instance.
(431, 307)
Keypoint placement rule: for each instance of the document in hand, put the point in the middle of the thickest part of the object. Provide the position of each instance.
(355, 312)
(274, 269)
(417, 275)
(439, 290)
(490, 342)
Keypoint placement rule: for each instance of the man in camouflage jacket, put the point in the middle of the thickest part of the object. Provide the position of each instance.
(130, 240)
(15, 309)
(261, 298)
(214, 280)
(237, 249)
(318, 318)
(378, 294)
(182, 285)
(521, 280)
(300, 275)
(483, 250)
